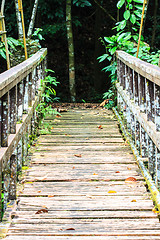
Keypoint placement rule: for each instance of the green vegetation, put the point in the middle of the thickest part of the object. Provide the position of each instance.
(125, 39)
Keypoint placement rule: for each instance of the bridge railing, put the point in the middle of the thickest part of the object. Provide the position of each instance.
(138, 97)
(19, 97)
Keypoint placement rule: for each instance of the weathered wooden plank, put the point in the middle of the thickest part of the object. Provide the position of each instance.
(85, 225)
(86, 203)
(86, 214)
(86, 194)
(105, 148)
(131, 237)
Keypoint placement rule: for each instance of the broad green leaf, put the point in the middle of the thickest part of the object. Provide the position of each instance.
(121, 36)
(123, 24)
(2, 53)
(102, 58)
(139, 7)
(112, 50)
(128, 36)
(109, 40)
(139, 1)
(120, 3)
(126, 14)
(133, 18)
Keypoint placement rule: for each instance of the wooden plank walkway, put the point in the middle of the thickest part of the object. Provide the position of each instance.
(76, 187)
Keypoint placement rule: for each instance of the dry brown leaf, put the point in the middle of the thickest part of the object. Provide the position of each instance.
(62, 110)
(39, 191)
(117, 172)
(133, 200)
(43, 210)
(131, 179)
(100, 127)
(104, 102)
(78, 155)
(73, 167)
(128, 168)
(70, 229)
(58, 116)
(50, 196)
(95, 174)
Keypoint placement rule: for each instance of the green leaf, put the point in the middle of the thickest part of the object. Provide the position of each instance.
(123, 24)
(133, 18)
(2, 54)
(121, 36)
(112, 50)
(139, 1)
(108, 40)
(103, 57)
(120, 3)
(139, 7)
(126, 14)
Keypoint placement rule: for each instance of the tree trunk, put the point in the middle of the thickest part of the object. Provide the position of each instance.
(2, 6)
(33, 17)
(154, 23)
(99, 75)
(71, 51)
(19, 21)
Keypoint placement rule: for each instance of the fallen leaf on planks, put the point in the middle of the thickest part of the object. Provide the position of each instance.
(70, 229)
(58, 116)
(117, 172)
(155, 210)
(130, 179)
(50, 196)
(100, 127)
(133, 200)
(78, 155)
(112, 191)
(40, 211)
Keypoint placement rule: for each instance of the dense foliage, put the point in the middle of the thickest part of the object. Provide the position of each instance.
(98, 26)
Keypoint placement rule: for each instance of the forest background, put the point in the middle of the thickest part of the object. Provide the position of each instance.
(91, 21)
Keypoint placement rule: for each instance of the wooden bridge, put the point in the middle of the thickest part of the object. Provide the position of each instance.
(83, 181)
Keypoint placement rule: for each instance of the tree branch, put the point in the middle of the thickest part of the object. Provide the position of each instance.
(104, 10)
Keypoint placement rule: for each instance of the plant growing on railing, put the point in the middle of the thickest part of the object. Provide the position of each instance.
(12, 43)
(125, 39)
(49, 83)
(48, 96)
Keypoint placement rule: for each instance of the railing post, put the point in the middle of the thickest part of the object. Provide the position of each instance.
(1, 190)
(0, 121)
(12, 112)
(13, 177)
(30, 90)
(4, 128)
(19, 101)
(25, 94)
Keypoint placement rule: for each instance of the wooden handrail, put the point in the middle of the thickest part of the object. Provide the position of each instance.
(138, 88)
(147, 70)
(19, 97)
(11, 77)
